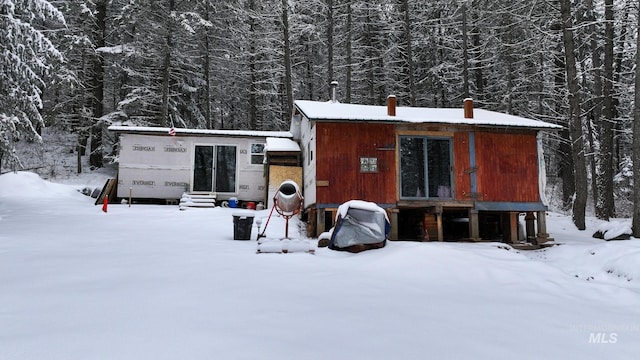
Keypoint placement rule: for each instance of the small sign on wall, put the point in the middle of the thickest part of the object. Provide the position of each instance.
(368, 164)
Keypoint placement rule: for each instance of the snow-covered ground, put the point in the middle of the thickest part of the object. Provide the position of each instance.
(154, 282)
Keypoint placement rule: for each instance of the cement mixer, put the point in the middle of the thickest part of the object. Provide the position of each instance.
(288, 199)
(287, 202)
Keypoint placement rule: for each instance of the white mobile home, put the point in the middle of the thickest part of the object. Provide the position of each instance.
(156, 163)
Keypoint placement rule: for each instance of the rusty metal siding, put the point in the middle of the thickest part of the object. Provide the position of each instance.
(339, 149)
(461, 166)
(507, 167)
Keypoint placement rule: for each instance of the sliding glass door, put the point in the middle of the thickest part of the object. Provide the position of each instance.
(214, 168)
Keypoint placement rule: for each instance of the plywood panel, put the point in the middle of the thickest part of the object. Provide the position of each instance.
(339, 149)
(278, 174)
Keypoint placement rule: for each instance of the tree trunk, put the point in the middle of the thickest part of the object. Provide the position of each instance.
(605, 208)
(329, 44)
(165, 117)
(479, 77)
(565, 166)
(97, 84)
(595, 114)
(253, 88)
(287, 59)
(465, 54)
(409, 53)
(618, 68)
(371, 80)
(81, 149)
(575, 120)
(349, 52)
(207, 71)
(636, 142)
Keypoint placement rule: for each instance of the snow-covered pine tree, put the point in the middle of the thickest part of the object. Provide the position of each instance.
(160, 76)
(369, 46)
(308, 25)
(76, 96)
(26, 59)
(575, 117)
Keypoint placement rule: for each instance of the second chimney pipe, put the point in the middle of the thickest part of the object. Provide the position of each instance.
(334, 91)
(468, 108)
(391, 105)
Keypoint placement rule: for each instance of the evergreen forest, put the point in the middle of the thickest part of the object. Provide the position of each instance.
(80, 66)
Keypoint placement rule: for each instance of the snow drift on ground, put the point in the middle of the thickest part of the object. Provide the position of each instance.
(154, 282)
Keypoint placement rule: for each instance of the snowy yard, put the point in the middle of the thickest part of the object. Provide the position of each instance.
(153, 282)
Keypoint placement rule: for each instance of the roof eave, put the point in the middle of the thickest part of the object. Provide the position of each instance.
(440, 123)
(198, 132)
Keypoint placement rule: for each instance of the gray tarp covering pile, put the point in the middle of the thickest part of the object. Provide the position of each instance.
(359, 229)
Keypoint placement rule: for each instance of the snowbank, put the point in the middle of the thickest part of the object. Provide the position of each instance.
(153, 282)
(27, 185)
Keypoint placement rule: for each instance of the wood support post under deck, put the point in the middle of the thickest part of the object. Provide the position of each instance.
(542, 236)
(439, 222)
(511, 230)
(474, 225)
(320, 214)
(531, 229)
(393, 218)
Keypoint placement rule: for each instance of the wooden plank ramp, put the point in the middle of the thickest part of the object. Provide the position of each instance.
(108, 190)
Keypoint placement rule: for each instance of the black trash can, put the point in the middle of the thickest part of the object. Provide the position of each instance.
(242, 223)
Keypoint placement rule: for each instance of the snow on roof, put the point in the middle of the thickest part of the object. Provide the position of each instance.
(327, 110)
(282, 144)
(203, 132)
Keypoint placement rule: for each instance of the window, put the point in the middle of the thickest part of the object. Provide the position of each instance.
(368, 164)
(425, 167)
(257, 154)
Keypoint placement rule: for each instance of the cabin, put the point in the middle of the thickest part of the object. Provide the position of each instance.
(441, 174)
(158, 164)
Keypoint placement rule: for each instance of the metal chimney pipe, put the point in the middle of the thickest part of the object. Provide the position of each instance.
(334, 91)
(468, 108)
(391, 105)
